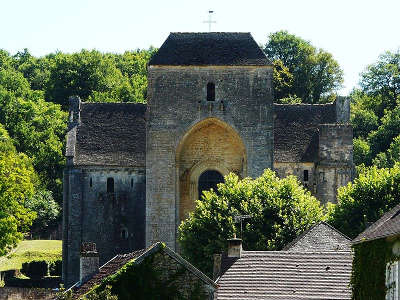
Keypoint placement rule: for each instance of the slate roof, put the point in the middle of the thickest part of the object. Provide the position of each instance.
(284, 275)
(388, 225)
(111, 134)
(211, 48)
(320, 237)
(116, 263)
(296, 136)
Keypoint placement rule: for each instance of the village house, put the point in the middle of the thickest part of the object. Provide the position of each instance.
(316, 265)
(376, 259)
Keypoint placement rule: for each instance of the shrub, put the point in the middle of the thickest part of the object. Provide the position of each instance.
(55, 268)
(35, 269)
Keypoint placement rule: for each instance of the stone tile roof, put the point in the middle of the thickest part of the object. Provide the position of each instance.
(296, 130)
(111, 134)
(283, 275)
(214, 48)
(388, 225)
(320, 237)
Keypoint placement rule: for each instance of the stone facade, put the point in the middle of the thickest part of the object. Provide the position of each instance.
(182, 127)
(133, 170)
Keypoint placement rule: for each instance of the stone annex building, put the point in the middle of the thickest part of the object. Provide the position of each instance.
(134, 171)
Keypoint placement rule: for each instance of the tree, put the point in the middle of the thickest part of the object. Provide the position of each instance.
(315, 73)
(17, 179)
(389, 158)
(46, 209)
(364, 201)
(280, 209)
(383, 78)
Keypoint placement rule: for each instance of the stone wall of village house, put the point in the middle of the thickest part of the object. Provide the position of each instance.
(112, 220)
(305, 173)
(186, 282)
(177, 102)
(18, 293)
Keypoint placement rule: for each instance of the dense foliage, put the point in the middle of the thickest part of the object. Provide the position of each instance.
(369, 269)
(33, 119)
(300, 70)
(280, 210)
(362, 202)
(375, 113)
(17, 183)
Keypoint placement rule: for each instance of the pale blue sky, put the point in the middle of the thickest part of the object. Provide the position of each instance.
(354, 31)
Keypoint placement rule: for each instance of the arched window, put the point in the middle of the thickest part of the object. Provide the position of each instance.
(209, 179)
(110, 185)
(210, 91)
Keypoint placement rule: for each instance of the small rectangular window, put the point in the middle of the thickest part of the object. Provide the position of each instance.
(90, 182)
(110, 185)
(305, 175)
(210, 91)
(131, 182)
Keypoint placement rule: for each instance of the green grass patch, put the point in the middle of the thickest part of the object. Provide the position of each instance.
(26, 251)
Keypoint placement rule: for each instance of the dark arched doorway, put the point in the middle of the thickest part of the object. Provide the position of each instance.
(209, 180)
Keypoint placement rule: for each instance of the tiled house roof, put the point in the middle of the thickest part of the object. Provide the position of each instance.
(320, 237)
(214, 48)
(284, 275)
(296, 132)
(313, 267)
(388, 225)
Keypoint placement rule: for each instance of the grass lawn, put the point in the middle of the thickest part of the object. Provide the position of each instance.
(49, 250)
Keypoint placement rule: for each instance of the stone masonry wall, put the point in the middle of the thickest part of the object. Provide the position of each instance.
(335, 168)
(114, 221)
(185, 282)
(176, 102)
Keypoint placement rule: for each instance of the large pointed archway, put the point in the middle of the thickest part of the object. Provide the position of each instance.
(210, 145)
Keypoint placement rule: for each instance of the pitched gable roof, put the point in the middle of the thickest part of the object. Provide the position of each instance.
(283, 275)
(320, 237)
(110, 134)
(116, 263)
(212, 48)
(388, 225)
(296, 135)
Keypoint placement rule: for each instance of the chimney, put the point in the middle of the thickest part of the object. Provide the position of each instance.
(89, 262)
(235, 247)
(217, 266)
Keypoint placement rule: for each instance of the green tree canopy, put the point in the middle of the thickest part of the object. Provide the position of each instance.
(364, 201)
(383, 78)
(280, 209)
(310, 74)
(17, 180)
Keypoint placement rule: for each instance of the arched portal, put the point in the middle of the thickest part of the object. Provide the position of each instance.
(209, 146)
(209, 180)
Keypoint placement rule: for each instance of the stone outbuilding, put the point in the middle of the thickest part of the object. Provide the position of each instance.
(153, 273)
(317, 265)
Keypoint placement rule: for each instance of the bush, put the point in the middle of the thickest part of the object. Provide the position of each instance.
(55, 268)
(35, 269)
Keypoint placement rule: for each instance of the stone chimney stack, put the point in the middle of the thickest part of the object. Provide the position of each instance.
(235, 247)
(89, 262)
(217, 266)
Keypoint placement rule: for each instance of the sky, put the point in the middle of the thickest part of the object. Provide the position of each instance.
(355, 32)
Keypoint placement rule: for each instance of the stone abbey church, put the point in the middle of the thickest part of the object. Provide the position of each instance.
(134, 171)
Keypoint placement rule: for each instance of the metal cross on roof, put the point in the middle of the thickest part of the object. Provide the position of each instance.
(210, 21)
(240, 219)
